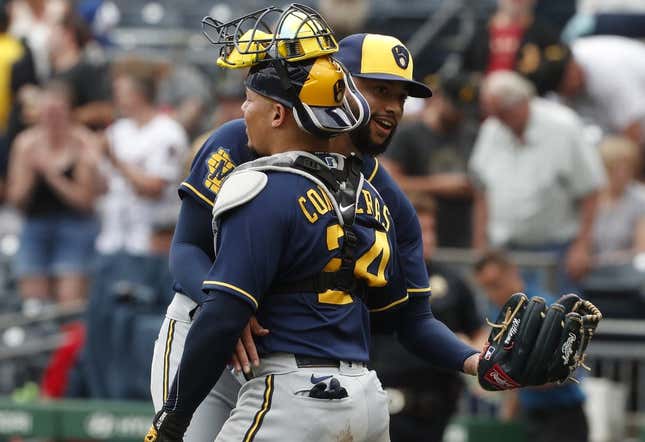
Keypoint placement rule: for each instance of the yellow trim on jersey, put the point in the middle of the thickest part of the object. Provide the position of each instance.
(373, 174)
(197, 192)
(389, 306)
(266, 405)
(237, 289)
(422, 290)
(166, 358)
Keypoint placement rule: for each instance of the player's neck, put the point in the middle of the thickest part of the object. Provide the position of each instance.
(289, 141)
(343, 145)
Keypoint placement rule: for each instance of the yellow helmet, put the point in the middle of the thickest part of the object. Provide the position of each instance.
(247, 51)
(302, 33)
(295, 33)
(317, 90)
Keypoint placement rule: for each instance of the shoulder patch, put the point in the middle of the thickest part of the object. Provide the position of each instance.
(238, 189)
(219, 165)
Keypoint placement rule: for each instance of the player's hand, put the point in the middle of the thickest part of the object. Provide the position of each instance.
(167, 427)
(245, 351)
(471, 364)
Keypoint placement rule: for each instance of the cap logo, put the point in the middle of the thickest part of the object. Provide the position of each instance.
(401, 56)
(339, 91)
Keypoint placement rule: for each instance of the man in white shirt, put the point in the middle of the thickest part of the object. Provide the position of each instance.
(146, 152)
(536, 177)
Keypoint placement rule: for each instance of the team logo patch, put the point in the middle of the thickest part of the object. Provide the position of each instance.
(331, 162)
(339, 91)
(489, 353)
(401, 56)
(219, 165)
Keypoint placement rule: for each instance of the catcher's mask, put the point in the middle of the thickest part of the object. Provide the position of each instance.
(295, 33)
(318, 91)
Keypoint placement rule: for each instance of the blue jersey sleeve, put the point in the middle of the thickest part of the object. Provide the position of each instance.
(408, 230)
(225, 149)
(249, 247)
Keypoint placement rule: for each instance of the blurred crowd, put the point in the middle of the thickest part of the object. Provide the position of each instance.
(533, 142)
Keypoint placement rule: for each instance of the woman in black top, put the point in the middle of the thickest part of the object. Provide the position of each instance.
(53, 181)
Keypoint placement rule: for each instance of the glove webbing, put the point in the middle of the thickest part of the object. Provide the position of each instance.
(508, 318)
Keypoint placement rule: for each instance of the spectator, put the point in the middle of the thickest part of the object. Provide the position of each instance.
(146, 151)
(605, 82)
(52, 180)
(184, 91)
(602, 78)
(512, 29)
(606, 17)
(33, 21)
(11, 51)
(537, 178)
(430, 395)
(345, 16)
(550, 412)
(229, 95)
(92, 106)
(619, 230)
(431, 155)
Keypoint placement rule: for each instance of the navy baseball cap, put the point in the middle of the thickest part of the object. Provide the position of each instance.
(380, 57)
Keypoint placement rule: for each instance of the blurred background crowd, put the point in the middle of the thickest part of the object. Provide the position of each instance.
(526, 168)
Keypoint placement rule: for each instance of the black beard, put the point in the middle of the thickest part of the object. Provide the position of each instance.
(363, 141)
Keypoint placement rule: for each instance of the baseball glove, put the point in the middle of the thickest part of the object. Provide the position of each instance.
(532, 344)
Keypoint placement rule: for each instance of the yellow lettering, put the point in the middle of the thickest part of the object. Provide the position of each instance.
(386, 217)
(368, 202)
(312, 217)
(317, 201)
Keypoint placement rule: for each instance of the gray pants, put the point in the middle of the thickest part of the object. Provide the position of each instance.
(283, 411)
(275, 405)
(216, 408)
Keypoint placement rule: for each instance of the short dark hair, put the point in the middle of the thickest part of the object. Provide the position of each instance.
(146, 84)
(143, 73)
(495, 257)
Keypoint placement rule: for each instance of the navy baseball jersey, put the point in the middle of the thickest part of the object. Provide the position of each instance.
(227, 148)
(290, 232)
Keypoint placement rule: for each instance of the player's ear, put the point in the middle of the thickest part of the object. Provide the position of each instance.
(280, 113)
